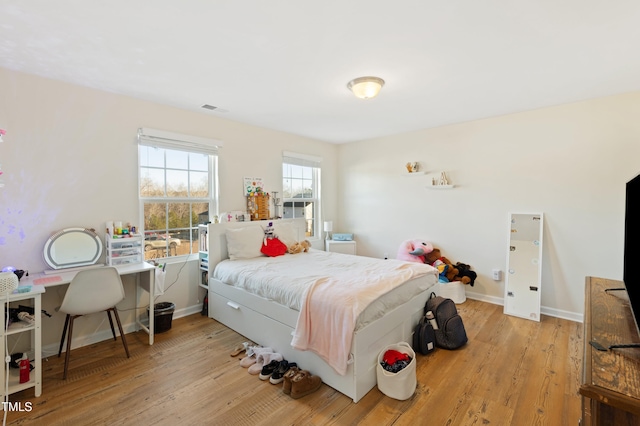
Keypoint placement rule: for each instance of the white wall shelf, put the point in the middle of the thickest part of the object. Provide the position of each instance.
(439, 180)
(440, 186)
(413, 174)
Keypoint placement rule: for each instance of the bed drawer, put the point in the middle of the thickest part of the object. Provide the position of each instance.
(268, 307)
(246, 321)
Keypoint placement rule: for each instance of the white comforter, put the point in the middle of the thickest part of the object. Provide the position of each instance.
(290, 278)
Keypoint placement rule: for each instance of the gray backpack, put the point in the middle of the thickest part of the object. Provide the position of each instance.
(450, 333)
(424, 337)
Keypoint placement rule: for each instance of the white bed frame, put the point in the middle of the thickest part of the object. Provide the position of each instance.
(271, 324)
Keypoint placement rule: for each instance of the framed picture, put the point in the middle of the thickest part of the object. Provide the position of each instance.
(253, 185)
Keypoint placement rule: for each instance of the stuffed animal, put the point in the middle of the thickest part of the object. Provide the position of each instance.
(414, 250)
(466, 272)
(299, 247)
(448, 271)
(444, 266)
(443, 270)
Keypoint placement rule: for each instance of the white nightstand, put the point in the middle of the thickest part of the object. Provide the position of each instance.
(346, 247)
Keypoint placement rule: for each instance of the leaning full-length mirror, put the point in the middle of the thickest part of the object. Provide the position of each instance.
(524, 266)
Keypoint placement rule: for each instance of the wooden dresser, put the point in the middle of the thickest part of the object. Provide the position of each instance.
(610, 386)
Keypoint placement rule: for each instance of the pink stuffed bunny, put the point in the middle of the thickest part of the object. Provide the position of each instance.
(414, 250)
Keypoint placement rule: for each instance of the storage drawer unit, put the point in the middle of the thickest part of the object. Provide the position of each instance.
(122, 251)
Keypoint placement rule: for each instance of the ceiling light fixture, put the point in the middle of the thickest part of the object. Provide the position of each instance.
(366, 87)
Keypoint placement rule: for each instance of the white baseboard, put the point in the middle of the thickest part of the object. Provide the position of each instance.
(558, 313)
(484, 298)
(52, 349)
(544, 310)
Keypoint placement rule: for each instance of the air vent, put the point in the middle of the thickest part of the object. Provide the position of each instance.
(210, 107)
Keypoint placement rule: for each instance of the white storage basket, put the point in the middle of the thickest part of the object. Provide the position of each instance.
(400, 385)
(8, 282)
(453, 290)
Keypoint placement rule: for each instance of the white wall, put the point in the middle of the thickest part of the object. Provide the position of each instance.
(570, 162)
(70, 159)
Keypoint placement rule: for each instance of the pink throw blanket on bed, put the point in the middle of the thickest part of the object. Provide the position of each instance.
(332, 305)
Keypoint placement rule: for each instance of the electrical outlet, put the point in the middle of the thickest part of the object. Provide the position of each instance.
(496, 274)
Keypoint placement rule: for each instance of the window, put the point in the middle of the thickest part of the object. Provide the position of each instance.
(301, 189)
(177, 190)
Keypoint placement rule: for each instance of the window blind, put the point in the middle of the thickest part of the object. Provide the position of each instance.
(301, 159)
(177, 141)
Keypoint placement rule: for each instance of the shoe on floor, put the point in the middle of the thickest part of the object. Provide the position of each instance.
(256, 368)
(240, 348)
(278, 374)
(268, 356)
(263, 357)
(288, 376)
(256, 349)
(303, 384)
(252, 355)
(248, 361)
(268, 369)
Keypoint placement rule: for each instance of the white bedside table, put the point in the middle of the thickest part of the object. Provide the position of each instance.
(345, 247)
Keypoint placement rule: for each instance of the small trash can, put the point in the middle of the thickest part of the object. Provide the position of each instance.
(162, 316)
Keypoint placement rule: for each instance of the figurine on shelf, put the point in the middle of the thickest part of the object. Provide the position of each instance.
(443, 179)
(412, 167)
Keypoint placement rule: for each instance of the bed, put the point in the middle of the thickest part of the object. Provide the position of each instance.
(268, 316)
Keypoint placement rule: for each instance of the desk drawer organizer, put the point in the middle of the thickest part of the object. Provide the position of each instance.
(123, 251)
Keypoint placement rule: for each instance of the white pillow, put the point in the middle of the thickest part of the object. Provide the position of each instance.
(244, 243)
(285, 233)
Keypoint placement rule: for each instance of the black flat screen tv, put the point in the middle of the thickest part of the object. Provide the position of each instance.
(630, 275)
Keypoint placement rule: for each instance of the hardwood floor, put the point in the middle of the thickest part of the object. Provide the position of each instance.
(512, 372)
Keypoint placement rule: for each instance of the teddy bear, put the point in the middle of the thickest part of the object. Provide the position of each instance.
(448, 271)
(445, 267)
(295, 248)
(299, 247)
(414, 250)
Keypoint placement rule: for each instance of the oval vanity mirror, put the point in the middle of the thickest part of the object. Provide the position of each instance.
(72, 247)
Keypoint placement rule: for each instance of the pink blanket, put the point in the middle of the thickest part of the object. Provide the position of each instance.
(329, 313)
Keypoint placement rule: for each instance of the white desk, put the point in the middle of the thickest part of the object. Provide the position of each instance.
(145, 280)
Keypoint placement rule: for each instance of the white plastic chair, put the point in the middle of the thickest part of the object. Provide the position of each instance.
(91, 291)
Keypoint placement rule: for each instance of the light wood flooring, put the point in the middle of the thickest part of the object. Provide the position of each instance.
(512, 372)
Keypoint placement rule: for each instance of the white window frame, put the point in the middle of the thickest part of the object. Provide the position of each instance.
(174, 141)
(315, 163)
